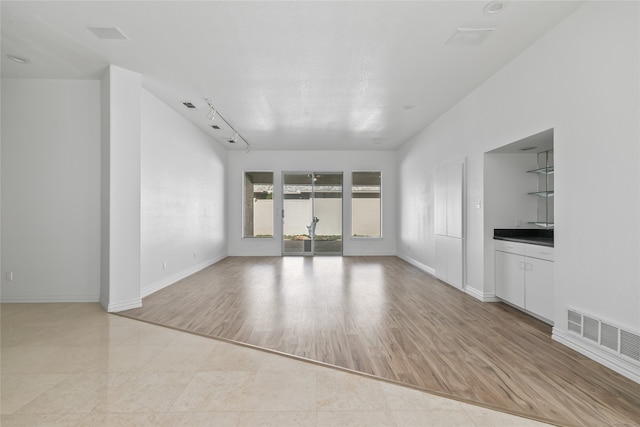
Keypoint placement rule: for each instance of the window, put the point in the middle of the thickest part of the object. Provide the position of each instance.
(365, 204)
(258, 204)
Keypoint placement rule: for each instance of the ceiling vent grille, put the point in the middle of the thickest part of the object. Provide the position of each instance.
(108, 33)
(215, 126)
(189, 105)
(604, 334)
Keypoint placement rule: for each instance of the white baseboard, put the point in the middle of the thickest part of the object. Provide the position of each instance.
(418, 264)
(368, 254)
(252, 252)
(155, 287)
(49, 298)
(124, 305)
(482, 296)
(610, 360)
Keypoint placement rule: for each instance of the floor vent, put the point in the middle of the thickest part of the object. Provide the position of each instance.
(604, 334)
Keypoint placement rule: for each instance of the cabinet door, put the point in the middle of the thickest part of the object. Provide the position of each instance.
(539, 287)
(454, 200)
(441, 257)
(448, 191)
(509, 277)
(440, 199)
(454, 262)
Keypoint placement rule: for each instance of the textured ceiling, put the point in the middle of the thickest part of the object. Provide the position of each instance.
(287, 75)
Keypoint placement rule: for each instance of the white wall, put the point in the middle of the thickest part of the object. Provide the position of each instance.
(582, 80)
(365, 219)
(317, 161)
(299, 212)
(51, 190)
(120, 210)
(263, 217)
(182, 197)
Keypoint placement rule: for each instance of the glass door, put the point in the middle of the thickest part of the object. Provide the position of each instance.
(328, 212)
(297, 213)
(312, 213)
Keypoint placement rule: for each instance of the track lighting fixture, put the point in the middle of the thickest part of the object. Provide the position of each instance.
(211, 116)
(212, 111)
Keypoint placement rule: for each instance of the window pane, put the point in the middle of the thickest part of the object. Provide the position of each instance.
(365, 204)
(258, 204)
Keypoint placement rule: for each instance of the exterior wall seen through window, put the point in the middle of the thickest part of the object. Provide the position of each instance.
(258, 204)
(365, 204)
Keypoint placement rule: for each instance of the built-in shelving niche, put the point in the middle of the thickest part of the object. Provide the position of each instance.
(545, 192)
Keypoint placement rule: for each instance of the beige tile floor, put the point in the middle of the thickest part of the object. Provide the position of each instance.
(75, 365)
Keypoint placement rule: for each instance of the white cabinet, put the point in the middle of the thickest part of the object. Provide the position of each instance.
(449, 260)
(524, 277)
(448, 195)
(538, 281)
(510, 278)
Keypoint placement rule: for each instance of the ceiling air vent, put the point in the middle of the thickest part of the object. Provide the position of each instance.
(469, 36)
(215, 126)
(189, 105)
(108, 33)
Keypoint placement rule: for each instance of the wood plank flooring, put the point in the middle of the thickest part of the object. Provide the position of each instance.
(383, 317)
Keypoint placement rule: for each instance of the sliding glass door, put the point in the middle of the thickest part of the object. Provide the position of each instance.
(312, 213)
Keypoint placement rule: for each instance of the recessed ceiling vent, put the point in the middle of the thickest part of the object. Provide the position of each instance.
(189, 105)
(108, 33)
(469, 36)
(604, 334)
(215, 126)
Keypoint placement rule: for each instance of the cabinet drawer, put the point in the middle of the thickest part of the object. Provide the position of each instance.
(541, 252)
(510, 247)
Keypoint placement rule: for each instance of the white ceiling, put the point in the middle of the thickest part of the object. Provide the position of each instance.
(287, 75)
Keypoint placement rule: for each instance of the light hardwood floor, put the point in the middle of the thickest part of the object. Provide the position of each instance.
(381, 316)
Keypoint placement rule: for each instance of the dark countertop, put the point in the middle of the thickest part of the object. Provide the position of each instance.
(532, 236)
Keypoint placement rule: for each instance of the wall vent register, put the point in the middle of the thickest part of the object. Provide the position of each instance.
(604, 334)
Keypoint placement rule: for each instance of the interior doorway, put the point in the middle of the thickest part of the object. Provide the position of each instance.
(312, 213)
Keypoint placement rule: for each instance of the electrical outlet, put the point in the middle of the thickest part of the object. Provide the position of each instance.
(9, 276)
